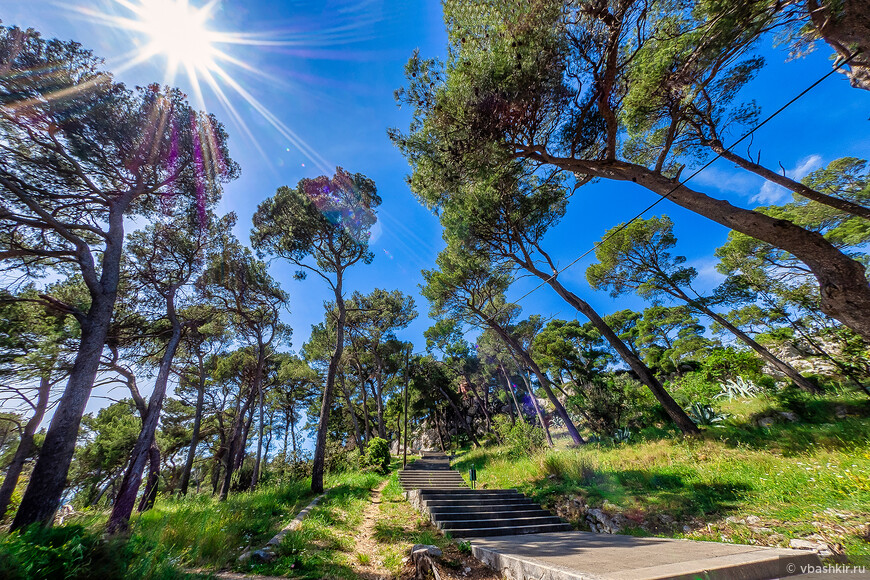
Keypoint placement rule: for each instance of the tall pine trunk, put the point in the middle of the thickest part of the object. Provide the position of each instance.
(197, 423)
(123, 506)
(25, 445)
(319, 463)
(48, 480)
(149, 495)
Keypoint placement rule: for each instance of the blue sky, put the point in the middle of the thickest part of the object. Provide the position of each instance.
(333, 87)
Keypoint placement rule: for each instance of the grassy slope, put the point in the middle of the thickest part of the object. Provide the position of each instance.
(788, 475)
(323, 546)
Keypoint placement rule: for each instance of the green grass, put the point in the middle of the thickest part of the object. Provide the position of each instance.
(399, 527)
(787, 474)
(324, 545)
(74, 552)
(204, 532)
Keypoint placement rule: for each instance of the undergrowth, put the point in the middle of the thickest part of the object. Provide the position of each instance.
(788, 474)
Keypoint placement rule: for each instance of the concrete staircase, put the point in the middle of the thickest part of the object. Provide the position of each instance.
(440, 491)
(431, 471)
(466, 513)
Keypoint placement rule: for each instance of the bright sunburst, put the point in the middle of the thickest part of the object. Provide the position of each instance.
(179, 31)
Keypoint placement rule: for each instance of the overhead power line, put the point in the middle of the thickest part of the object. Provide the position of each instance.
(694, 174)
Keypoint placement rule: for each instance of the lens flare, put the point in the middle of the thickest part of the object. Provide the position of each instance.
(181, 32)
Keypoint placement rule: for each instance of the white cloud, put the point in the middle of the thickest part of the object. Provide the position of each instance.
(739, 182)
(771, 193)
(708, 276)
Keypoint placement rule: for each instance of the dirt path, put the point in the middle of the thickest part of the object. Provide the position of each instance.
(366, 562)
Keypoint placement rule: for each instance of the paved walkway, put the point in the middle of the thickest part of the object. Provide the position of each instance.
(588, 556)
(435, 488)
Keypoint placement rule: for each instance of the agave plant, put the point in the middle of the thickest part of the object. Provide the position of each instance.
(704, 414)
(621, 435)
(738, 388)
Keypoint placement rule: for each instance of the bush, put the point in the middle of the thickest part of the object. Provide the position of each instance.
(693, 388)
(377, 455)
(521, 437)
(612, 402)
(722, 364)
(73, 552)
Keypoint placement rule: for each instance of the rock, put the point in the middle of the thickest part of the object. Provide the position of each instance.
(467, 569)
(760, 530)
(601, 523)
(687, 529)
(753, 520)
(666, 519)
(734, 520)
(765, 421)
(840, 412)
(799, 544)
(789, 416)
(429, 550)
(262, 556)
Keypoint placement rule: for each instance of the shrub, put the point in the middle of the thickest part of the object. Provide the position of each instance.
(377, 455)
(722, 364)
(693, 388)
(521, 437)
(73, 552)
(612, 402)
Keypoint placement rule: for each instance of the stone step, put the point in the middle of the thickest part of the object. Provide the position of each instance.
(479, 502)
(506, 522)
(422, 486)
(438, 511)
(489, 515)
(470, 494)
(429, 477)
(424, 475)
(489, 532)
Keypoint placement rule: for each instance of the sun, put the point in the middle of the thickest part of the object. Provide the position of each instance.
(178, 31)
(179, 34)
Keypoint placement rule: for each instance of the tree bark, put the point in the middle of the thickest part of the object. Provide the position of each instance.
(319, 463)
(843, 286)
(25, 445)
(48, 480)
(197, 423)
(149, 496)
(790, 184)
(123, 506)
(847, 32)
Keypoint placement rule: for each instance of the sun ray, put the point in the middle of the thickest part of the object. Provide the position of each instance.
(178, 32)
(276, 123)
